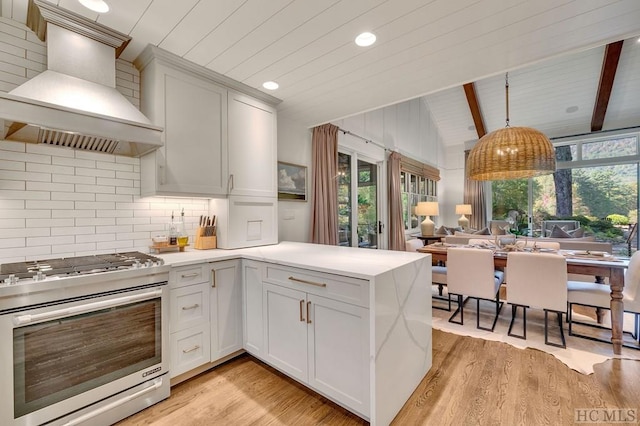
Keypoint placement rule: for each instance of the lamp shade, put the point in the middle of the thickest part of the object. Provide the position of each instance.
(463, 208)
(511, 153)
(427, 208)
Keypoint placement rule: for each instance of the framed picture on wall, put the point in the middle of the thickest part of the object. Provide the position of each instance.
(292, 182)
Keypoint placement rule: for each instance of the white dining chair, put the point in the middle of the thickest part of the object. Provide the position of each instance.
(470, 273)
(599, 296)
(438, 273)
(537, 281)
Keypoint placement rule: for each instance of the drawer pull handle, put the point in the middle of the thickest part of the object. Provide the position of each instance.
(301, 304)
(298, 280)
(213, 278)
(186, 308)
(194, 274)
(195, 348)
(308, 316)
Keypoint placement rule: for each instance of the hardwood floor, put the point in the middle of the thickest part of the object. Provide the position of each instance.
(472, 381)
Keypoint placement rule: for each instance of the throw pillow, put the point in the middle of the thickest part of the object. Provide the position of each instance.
(577, 233)
(453, 229)
(442, 231)
(558, 232)
(483, 231)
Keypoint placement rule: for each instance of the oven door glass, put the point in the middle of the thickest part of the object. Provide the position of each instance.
(58, 359)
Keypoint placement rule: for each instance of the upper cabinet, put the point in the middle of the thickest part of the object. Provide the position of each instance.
(219, 135)
(252, 147)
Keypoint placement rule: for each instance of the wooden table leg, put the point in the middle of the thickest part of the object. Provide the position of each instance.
(616, 282)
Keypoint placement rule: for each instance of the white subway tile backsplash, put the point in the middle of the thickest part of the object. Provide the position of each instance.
(96, 221)
(50, 241)
(73, 196)
(44, 186)
(11, 223)
(73, 213)
(25, 232)
(134, 235)
(72, 248)
(19, 166)
(38, 204)
(123, 167)
(115, 245)
(24, 214)
(12, 204)
(125, 198)
(49, 223)
(133, 221)
(54, 151)
(26, 176)
(84, 180)
(94, 238)
(12, 146)
(75, 162)
(25, 156)
(13, 242)
(97, 156)
(113, 229)
(80, 171)
(128, 175)
(74, 230)
(128, 183)
(17, 254)
(103, 189)
(114, 213)
(95, 205)
(49, 168)
(12, 185)
(129, 191)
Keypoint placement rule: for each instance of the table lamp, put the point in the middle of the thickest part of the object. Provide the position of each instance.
(463, 209)
(426, 209)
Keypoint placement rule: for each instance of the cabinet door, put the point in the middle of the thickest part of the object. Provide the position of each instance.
(252, 298)
(189, 349)
(195, 155)
(226, 309)
(338, 351)
(252, 147)
(285, 330)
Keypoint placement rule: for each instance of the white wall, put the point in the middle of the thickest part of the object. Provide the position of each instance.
(407, 127)
(57, 202)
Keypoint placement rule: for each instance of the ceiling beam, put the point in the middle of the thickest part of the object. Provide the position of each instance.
(474, 107)
(607, 75)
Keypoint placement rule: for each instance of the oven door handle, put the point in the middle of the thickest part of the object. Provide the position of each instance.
(20, 320)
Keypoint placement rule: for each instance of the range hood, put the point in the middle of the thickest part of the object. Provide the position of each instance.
(75, 103)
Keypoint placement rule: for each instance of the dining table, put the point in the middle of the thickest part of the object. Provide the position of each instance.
(577, 263)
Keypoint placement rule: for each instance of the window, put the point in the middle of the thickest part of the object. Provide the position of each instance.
(414, 189)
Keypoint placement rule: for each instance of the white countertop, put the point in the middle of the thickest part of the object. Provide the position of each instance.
(355, 262)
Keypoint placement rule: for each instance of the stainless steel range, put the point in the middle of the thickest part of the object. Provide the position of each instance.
(89, 338)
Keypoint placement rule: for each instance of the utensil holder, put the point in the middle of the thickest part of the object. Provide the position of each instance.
(204, 242)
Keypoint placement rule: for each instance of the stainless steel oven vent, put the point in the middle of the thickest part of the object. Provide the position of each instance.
(77, 141)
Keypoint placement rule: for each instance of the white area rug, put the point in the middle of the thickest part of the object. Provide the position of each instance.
(580, 355)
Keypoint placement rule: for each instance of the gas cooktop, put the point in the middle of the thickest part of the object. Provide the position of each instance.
(39, 270)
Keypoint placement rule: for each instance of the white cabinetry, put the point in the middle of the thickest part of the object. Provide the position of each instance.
(193, 112)
(205, 314)
(252, 147)
(252, 306)
(226, 308)
(316, 338)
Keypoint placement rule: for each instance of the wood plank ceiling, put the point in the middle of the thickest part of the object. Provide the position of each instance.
(553, 49)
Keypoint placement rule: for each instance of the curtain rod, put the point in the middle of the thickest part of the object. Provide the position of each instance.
(347, 132)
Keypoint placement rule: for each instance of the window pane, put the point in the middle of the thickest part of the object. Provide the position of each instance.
(344, 199)
(609, 148)
(566, 153)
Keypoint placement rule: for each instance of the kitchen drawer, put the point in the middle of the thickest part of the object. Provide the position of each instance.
(191, 274)
(337, 287)
(189, 306)
(190, 348)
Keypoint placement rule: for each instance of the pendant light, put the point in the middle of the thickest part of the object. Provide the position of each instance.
(511, 153)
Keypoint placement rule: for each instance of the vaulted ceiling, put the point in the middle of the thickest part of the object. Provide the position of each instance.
(553, 48)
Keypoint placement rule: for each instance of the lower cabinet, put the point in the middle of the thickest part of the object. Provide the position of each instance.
(320, 342)
(205, 315)
(252, 306)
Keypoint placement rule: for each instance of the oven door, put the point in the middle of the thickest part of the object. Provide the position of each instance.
(71, 354)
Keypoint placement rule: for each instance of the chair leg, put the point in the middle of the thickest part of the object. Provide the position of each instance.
(514, 313)
(495, 318)
(546, 330)
(460, 309)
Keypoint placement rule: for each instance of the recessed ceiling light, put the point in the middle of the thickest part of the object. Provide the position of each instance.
(99, 6)
(571, 109)
(366, 39)
(270, 85)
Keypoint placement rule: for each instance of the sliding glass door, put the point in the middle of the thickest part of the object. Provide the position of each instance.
(359, 222)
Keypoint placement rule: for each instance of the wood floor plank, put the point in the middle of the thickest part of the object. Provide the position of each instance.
(472, 381)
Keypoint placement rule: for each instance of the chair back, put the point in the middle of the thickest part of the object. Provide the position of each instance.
(470, 272)
(413, 244)
(485, 242)
(535, 243)
(537, 280)
(632, 283)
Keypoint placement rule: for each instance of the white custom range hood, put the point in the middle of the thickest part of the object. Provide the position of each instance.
(75, 103)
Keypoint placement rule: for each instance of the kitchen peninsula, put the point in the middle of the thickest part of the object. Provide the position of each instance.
(352, 324)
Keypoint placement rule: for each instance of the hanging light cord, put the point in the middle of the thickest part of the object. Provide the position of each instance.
(506, 91)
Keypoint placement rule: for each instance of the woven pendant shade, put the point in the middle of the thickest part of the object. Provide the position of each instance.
(511, 153)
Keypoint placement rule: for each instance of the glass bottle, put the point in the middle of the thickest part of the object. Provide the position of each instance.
(173, 232)
(183, 237)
